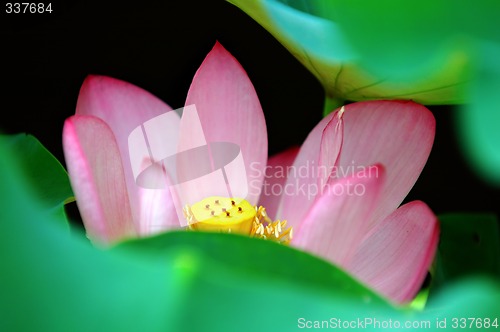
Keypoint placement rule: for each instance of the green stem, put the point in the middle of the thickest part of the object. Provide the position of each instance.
(331, 104)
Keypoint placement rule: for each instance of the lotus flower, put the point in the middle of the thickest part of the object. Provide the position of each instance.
(339, 192)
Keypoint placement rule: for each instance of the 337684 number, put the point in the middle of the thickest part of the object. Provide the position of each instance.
(478, 323)
(28, 8)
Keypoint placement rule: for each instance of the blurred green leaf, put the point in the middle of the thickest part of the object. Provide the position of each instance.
(414, 39)
(479, 121)
(194, 282)
(408, 40)
(391, 37)
(473, 297)
(45, 174)
(178, 281)
(53, 282)
(469, 245)
(256, 284)
(264, 260)
(320, 37)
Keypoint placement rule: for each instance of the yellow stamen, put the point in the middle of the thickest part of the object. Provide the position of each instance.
(221, 214)
(225, 214)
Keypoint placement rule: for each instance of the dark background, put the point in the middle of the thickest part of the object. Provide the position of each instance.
(159, 46)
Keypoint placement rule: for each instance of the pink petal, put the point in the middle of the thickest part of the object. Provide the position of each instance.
(397, 134)
(124, 107)
(337, 222)
(276, 174)
(156, 208)
(395, 258)
(330, 148)
(96, 173)
(202, 170)
(230, 111)
(317, 156)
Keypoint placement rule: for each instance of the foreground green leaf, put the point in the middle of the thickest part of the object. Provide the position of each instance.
(479, 121)
(179, 281)
(62, 283)
(469, 246)
(472, 300)
(44, 173)
(262, 261)
(52, 282)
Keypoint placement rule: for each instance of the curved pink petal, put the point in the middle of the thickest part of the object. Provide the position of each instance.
(96, 173)
(274, 181)
(316, 158)
(395, 258)
(157, 206)
(124, 107)
(230, 111)
(397, 134)
(330, 148)
(337, 222)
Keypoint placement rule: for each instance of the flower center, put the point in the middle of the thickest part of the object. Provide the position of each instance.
(222, 214)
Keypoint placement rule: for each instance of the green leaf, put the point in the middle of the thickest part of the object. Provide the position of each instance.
(260, 259)
(469, 245)
(179, 281)
(171, 282)
(260, 283)
(390, 38)
(44, 173)
(413, 39)
(53, 282)
(479, 121)
(320, 37)
(474, 299)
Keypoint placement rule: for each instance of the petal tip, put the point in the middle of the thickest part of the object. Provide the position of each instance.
(220, 54)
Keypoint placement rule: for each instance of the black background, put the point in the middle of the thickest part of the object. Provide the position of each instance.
(159, 46)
